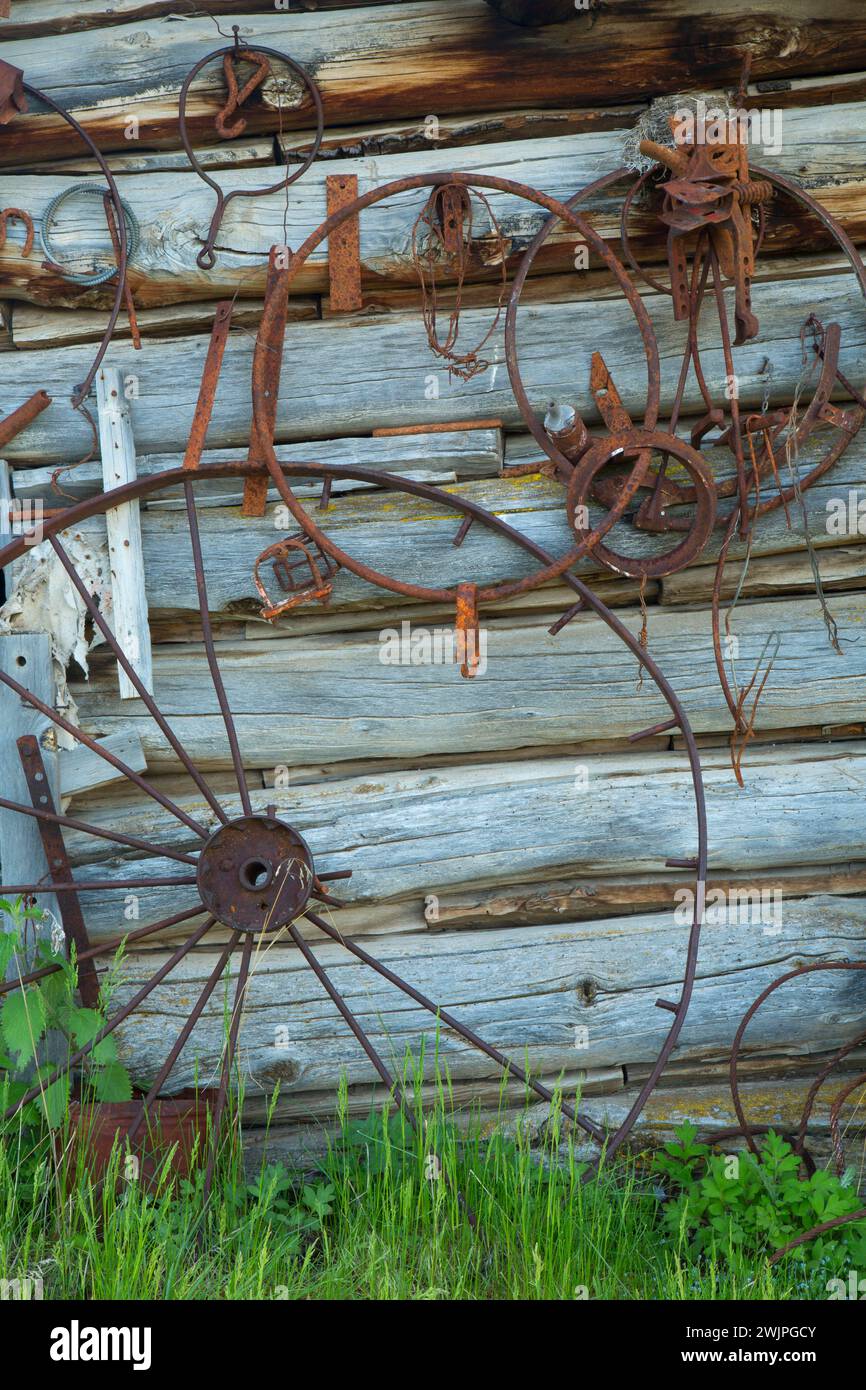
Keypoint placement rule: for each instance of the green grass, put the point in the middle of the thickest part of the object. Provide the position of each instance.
(369, 1223)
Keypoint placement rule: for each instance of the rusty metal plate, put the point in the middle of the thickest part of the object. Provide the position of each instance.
(344, 246)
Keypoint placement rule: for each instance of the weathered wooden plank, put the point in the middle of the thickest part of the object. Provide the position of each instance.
(35, 326)
(473, 453)
(42, 18)
(452, 132)
(123, 534)
(779, 1103)
(416, 537)
(414, 835)
(387, 61)
(237, 155)
(361, 374)
(591, 284)
(532, 904)
(338, 693)
(557, 998)
(81, 770)
(823, 148)
(309, 1109)
(770, 575)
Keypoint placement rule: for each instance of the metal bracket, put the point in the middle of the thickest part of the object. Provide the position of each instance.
(344, 246)
(58, 866)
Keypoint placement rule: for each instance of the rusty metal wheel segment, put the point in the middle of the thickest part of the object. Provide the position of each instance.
(254, 873)
(700, 525)
(552, 569)
(748, 1131)
(642, 319)
(847, 423)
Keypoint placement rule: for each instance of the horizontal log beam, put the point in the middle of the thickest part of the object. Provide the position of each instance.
(411, 836)
(823, 148)
(387, 61)
(338, 693)
(531, 904)
(779, 1104)
(567, 997)
(43, 18)
(469, 453)
(349, 377)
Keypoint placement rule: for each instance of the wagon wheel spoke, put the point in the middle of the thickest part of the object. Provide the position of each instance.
(451, 1022)
(112, 1023)
(105, 948)
(28, 698)
(394, 1086)
(207, 635)
(144, 694)
(183, 1036)
(33, 890)
(73, 823)
(228, 1057)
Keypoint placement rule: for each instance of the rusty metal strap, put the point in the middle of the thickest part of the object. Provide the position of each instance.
(270, 346)
(209, 378)
(344, 246)
(12, 98)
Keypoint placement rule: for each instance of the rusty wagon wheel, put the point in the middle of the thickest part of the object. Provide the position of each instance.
(254, 873)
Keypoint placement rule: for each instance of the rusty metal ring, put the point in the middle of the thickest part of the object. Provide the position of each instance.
(206, 258)
(700, 527)
(530, 419)
(80, 392)
(746, 1020)
(625, 239)
(551, 569)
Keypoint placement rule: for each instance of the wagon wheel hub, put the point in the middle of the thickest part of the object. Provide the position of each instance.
(255, 874)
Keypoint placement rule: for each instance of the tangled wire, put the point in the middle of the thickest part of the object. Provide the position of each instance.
(442, 233)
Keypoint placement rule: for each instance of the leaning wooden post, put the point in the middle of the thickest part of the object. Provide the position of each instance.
(126, 556)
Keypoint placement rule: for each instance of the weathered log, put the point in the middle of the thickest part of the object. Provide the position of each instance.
(36, 327)
(452, 132)
(446, 56)
(296, 1142)
(556, 998)
(579, 685)
(415, 835)
(238, 155)
(342, 378)
(81, 770)
(416, 536)
(822, 147)
(472, 453)
(769, 576)
(531, 904)
(44, 18)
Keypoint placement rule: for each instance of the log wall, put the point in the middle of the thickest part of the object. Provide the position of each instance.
(507, 844)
